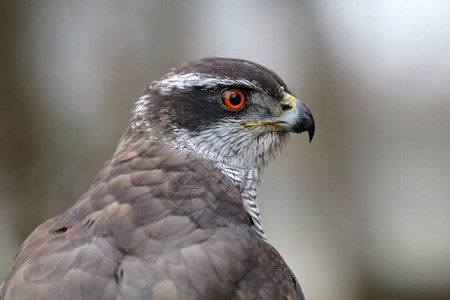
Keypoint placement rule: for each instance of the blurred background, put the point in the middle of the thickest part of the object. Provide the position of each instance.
(363, 212)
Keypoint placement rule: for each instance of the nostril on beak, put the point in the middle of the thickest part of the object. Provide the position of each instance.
(308, 112)
(285, 107)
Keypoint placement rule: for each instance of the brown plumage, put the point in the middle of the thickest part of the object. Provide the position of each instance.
(161, 221)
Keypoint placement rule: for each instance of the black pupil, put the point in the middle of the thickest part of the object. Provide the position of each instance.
(235, 99)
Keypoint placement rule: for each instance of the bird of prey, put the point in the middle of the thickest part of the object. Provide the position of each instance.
(173, 214)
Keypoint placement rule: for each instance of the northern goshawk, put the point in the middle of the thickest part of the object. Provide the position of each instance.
(173, 214)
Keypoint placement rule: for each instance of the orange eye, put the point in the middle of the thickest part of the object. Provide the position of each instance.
(233, 98)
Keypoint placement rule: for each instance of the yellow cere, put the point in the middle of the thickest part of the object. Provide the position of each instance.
(288, 99)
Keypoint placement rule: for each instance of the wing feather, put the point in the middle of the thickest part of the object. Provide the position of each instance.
(160, 224)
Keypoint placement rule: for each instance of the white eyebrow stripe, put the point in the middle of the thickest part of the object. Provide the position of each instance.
(184, 81)
(141, 105)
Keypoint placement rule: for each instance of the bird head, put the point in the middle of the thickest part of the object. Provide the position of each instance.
(231, 111)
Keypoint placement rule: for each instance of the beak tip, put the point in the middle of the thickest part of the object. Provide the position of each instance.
(311, 134)
(310, 126)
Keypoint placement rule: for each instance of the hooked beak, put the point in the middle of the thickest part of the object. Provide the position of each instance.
(296, 117)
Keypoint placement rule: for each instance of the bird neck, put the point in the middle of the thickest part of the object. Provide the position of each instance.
(247, 181)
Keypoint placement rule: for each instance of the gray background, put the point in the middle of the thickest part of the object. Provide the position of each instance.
(363, 212)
